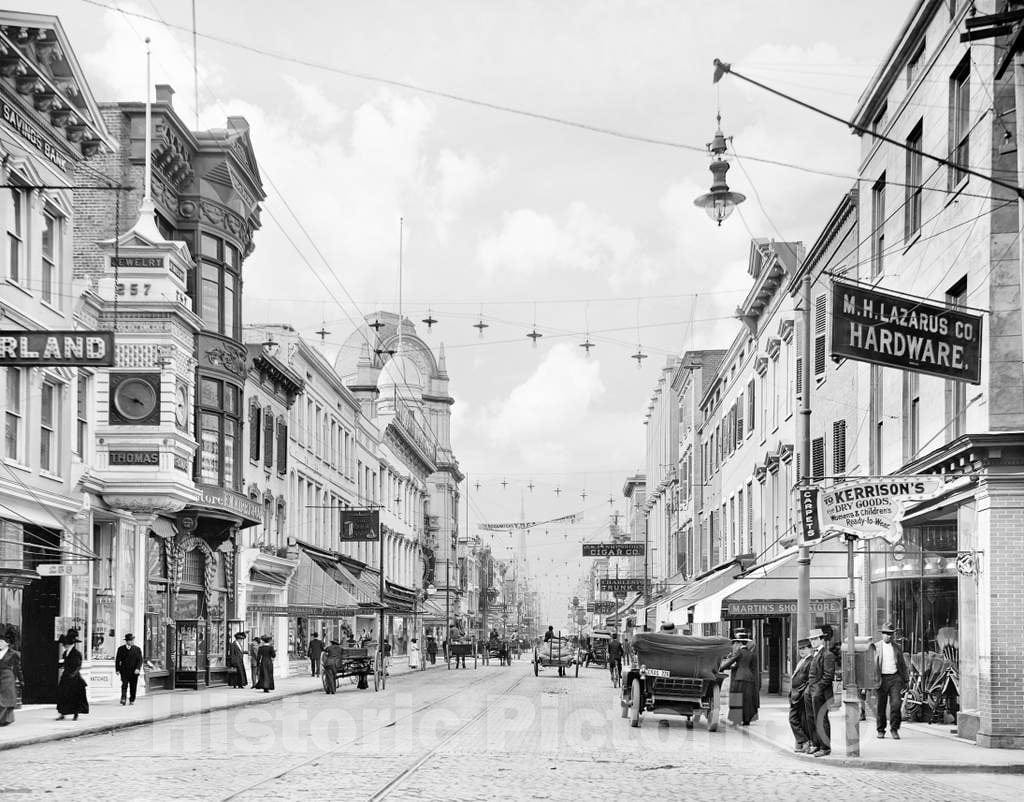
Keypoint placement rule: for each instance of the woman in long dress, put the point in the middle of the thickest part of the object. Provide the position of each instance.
(10, 674)
(414, 655)
(265, 665)
(744, 681)
(71, 696)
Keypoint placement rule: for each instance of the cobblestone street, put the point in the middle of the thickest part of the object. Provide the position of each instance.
(492, 732)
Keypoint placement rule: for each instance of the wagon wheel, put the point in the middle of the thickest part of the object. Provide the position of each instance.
(715, 711)
(577, 669)
(326, 681)
(536, 667)
(623, 704)
(634, 703)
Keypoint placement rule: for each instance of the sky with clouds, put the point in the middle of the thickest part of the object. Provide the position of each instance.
(519, 219)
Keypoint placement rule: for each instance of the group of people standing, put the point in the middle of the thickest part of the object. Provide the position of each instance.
(810, 693)
(261, 662)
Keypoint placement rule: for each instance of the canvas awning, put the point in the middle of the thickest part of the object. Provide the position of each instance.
(318, 584)
(623, 610)
(679, 603)
(774, 586)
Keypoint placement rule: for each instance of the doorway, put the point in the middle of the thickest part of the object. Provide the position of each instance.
(40, 606)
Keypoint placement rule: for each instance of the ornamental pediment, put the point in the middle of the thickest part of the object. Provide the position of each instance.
(772, 346)
(786, 329)
(761, 365)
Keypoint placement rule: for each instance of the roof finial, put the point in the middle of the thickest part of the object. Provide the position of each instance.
(146, 224)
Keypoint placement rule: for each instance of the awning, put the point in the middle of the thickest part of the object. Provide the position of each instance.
(434, 612)
(398, 598)
(623, 611)
(774, 586)
(364, 591)
(709, 584)
(272, 578)
(317, 584)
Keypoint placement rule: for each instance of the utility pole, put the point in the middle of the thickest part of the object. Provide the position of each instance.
(803, 582)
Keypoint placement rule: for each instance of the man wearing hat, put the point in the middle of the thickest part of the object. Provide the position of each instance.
(236, 660)
(797, 686)
(128, 665)
(821, 671)
(892, 672)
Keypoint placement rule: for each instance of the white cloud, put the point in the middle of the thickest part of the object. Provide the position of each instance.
(584, 241)
(459, 179)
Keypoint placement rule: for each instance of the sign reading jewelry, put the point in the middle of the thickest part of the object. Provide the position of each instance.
(884, 329)
(57, 348)
(613, 549)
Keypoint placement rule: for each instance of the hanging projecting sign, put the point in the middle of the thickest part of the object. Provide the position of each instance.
(57, 348)
(359, 525)
(622, 584)
(870, 509)
(884, 329)
(810, 522)
(613, 549)
(604, 607)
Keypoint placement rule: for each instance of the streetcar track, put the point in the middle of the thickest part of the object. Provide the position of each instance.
(392, 785)
(277, 775)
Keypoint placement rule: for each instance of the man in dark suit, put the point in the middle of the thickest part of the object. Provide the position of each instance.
(254, 648)
(797, 686)
(128, 665)
(236, 660)
(316, 648)
(821, 673)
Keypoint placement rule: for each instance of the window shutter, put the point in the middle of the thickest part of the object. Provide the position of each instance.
(282, 447)
(799, 476)
(268, 438)
(751, 406)
(799, 383)
(750, 513)
(817, 458)
(839, 447)
(820, 314)
(254, 431)
(739, 420)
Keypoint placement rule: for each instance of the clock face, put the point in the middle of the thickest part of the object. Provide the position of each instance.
(181, 407)
(136, 399)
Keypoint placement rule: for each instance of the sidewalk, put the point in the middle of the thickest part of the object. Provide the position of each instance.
(37, 723)
(922, 746)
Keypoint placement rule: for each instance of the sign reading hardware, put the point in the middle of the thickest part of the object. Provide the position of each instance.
(884, 329)
(763, 608)
(64, 348)
(359, 525)
(613, 549)
(622, 584)
(142, 458)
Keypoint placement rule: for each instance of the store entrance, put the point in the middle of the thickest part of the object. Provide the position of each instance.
(40, 605)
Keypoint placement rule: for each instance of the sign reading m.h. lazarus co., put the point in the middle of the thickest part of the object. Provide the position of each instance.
(873, 326)
(53, 348)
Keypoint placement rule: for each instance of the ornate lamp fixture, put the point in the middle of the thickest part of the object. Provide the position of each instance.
(720, 201)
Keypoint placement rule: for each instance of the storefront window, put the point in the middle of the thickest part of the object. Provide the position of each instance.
(126, 583)
(103, 641)
(916, 589)
(155, 636)
(219, 428)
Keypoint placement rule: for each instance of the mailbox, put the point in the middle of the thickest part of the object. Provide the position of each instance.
(861, 671)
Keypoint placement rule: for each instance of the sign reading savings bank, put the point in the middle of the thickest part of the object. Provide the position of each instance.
(873, 326)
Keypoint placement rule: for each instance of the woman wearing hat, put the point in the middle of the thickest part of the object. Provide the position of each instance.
(745, 679)
(10, 676)
(71, 698)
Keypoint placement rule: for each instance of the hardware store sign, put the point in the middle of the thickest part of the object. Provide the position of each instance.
(884, 329)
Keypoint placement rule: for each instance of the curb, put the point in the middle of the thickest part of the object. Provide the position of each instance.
(887, 765)
(100, 729)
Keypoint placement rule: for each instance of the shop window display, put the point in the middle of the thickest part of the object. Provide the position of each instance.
(103, 641)
(154, 644)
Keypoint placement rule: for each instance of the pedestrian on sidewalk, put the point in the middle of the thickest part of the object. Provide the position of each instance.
(818, 693)
(236, 660)
(414, 655)
(254, 649)
(432, 649)
(71, 695)
(893, 675)
(10, 676)
(128, 666)
(745, 679)
(332, 658)
(797, 709)
(316, 648)
(265, 665)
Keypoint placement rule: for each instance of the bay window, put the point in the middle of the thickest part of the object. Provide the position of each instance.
(219, 428)
(219, 285)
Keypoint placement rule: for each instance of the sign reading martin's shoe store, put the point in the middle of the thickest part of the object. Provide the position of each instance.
(897, 332)
(57, 348)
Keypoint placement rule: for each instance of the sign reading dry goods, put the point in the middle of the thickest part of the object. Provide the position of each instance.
(64, 348)
(884, 329)
(613, 549)
(871, 509)
(622, 584)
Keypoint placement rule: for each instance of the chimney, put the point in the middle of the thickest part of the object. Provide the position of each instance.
(164, 94)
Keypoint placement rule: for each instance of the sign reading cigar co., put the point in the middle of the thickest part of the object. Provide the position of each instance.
(613, 549)
(57, 348)
(897, 332)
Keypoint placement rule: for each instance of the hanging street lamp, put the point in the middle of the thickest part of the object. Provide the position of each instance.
(720, 201)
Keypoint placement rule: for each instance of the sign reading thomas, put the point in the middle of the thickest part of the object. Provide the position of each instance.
(622, 584)
(57, 348)
(613, 549)
(884, 329)
(359, 525)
